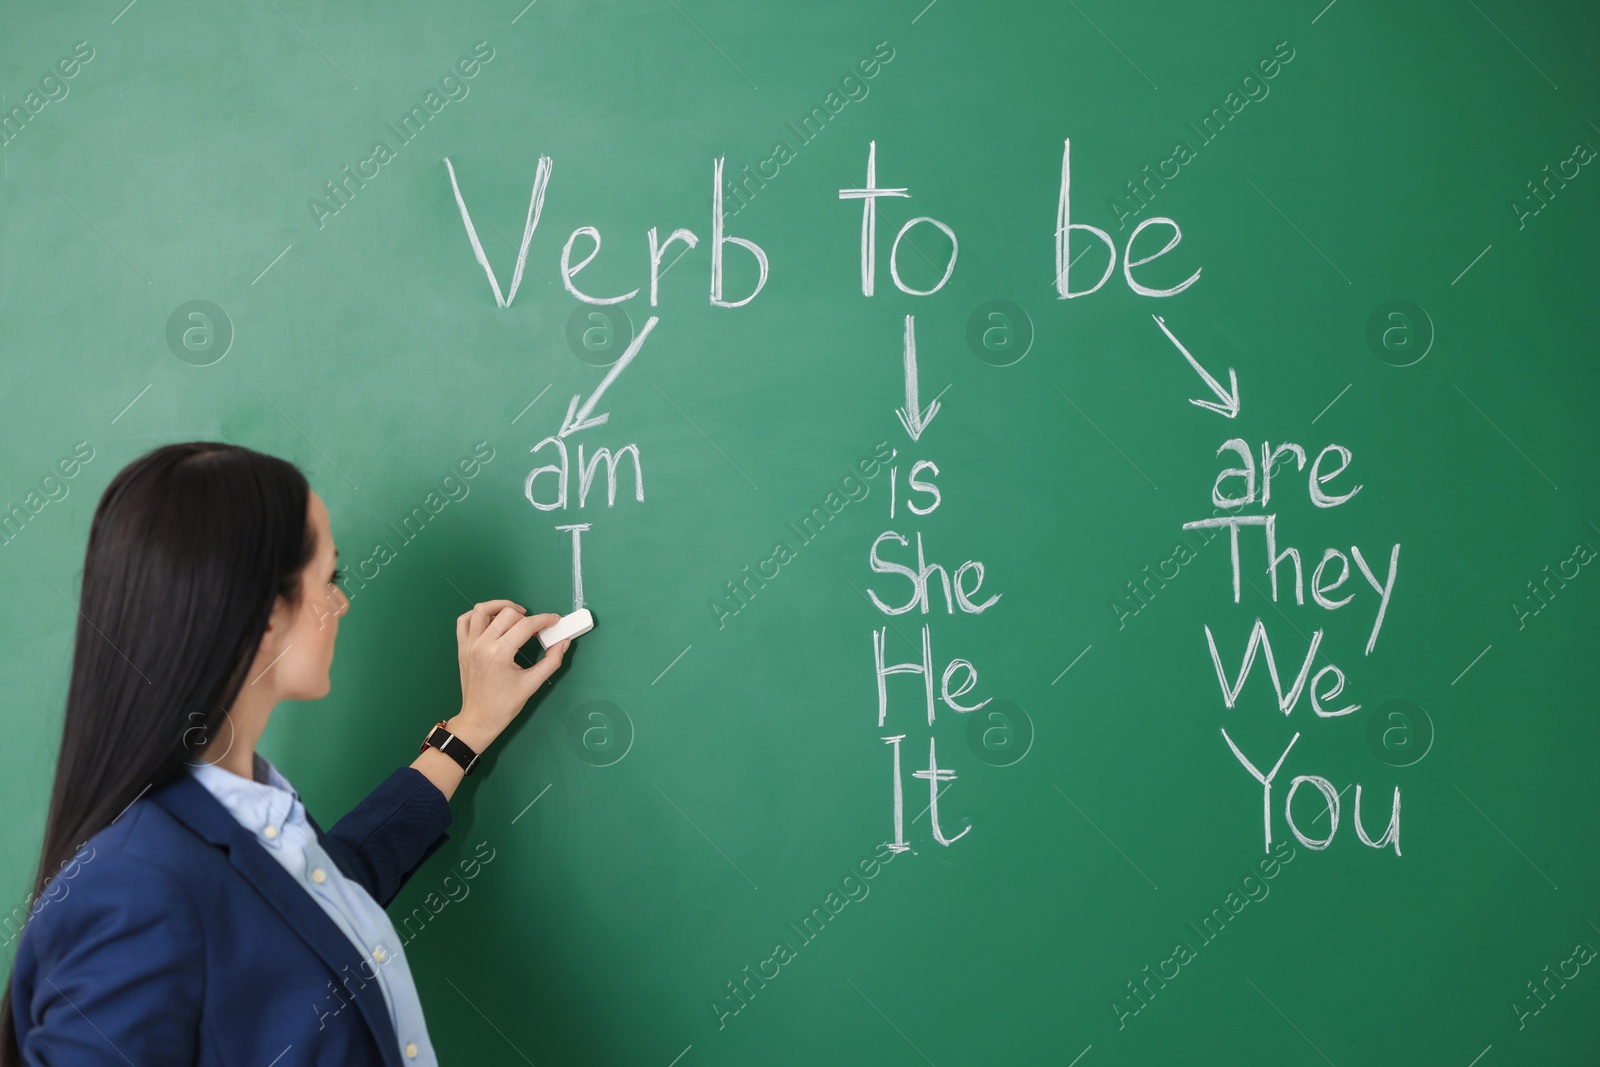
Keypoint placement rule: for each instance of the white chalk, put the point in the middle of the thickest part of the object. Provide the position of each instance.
(578, 623)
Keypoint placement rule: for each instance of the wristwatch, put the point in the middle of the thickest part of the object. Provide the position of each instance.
(442, 739)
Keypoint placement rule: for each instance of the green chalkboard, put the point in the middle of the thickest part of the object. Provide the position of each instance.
(1376, 244)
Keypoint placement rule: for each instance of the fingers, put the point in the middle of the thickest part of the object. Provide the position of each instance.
(482, 615)
(524, 628)
(498, 616)
(503, 620)
(536, 675)
(486, 609)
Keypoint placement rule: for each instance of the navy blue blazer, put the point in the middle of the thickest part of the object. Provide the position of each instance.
(179, 940)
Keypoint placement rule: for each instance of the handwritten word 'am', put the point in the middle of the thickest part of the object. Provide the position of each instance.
(588, 466)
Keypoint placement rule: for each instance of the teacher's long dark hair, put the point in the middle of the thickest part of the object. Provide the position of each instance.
(190, 548)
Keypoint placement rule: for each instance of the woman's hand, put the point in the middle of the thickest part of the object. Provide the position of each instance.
(494, 687)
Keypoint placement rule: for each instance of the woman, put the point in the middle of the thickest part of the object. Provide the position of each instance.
(187, 909)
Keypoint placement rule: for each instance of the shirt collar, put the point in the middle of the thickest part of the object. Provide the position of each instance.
(263, 805)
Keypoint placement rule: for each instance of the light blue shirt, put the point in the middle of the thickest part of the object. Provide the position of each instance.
(270, 808)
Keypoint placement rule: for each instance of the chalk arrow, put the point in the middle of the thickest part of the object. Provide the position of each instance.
(578, 417)
(913, 418)
(1229, 397)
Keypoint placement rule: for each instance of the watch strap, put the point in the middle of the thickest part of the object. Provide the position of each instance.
(442, 739)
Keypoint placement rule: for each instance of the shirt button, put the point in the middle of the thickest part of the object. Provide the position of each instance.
(270, 833)
(319, 876)
(377, 953)
(411, 1051)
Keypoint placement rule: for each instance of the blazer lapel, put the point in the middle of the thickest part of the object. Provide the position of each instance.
(190, 803)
